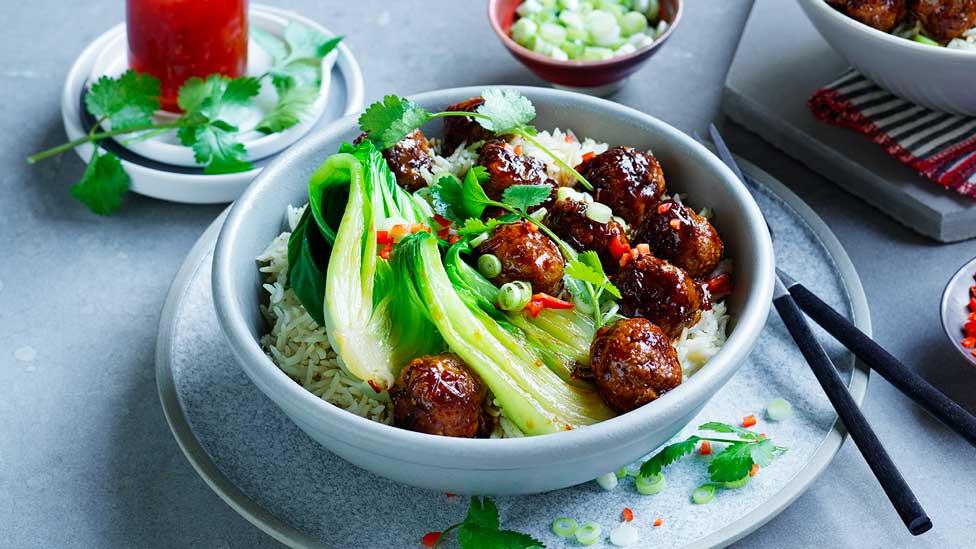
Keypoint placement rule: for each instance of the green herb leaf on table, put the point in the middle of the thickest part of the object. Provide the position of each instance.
(482, 512)
(719, 427)
(127, 101)
(481, 529)
(523, 197)
(668, 455)
(103, 184)
(506, 110)
(390, 120)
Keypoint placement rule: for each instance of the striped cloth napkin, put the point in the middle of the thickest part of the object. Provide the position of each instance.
(940, 146)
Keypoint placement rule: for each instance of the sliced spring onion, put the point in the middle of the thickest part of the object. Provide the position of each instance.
(514, 296)
(601, 213)
(732, 485)
(621, 473)
(703, 494)
(490, 265)
(479, 240)
(564, 527)
(633, 22)
(589, 533)
(607, 482)
(650, 485)
(779, 409)
(922, 39)
(624, 535)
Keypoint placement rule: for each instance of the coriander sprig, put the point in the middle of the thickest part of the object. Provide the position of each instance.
(481, 528)
(504, 112)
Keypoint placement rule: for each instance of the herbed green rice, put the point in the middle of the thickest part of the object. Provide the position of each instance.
(301, 348)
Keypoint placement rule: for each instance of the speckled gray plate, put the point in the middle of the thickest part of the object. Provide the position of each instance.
(274, 475)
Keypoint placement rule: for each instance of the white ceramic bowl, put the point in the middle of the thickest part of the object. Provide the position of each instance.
(510, 466)
(938, 78)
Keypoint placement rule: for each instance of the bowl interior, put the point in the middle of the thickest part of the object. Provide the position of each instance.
(258, 216)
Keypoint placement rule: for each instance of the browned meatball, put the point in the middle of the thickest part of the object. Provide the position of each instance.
(408, 159)
(631, 182)
(660, 292)
(527, 255)
(880, 14)
(633, 363)
(568, 220)
(440, 395)
(944, 20)
(463, 129)
(676, 233)
(508, 168)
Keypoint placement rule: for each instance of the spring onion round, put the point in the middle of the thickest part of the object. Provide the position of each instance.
(624, 535)
(650, 485)
(490, 265)
(564, 527)
(589, 533)
(703, 494)
(779, 409)
(732, 485)
(601, 213)
(621, 473)
(514, 296)
(607, 482)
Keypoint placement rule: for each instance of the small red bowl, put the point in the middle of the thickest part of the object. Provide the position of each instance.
(597, 77)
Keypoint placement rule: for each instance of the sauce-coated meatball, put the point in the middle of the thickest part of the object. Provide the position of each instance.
(631, 182)
(676, 233)
(508, 168)
(440, 395)
(944, 20)
(660, 292)
(463, 129)
(633, 363)
(880, 14)
(408, 159)
(527, 255)
(568, 220)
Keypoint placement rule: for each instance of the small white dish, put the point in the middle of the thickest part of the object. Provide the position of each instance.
(954, 308)
(166, 179)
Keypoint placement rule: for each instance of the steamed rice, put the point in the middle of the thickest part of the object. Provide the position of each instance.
(912, 27)
(301, 348)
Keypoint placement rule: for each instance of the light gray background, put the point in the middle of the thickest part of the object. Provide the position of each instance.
(86, 458)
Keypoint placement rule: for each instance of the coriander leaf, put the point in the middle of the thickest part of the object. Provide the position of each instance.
(215, 146)
(271, 44)
(446, 194)
(127, 101)
(719, 427)
(473, 226)
(477, 537)
(390, 120)
(293, 102)
(523, 197)
(239, 91)
(762, 452)
(482, 512)
(732, 463)
(208, 98)
(304, 42)
(103, 184)
(473, 197)
(506, 109)
(582, 269)
(668, 455)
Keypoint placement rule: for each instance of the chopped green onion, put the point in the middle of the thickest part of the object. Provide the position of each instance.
(922, 39)
(490, 265)
(703, 494)
(621, 473)
(589, 533)
(564, 527)
(607, 482)
(779, 409)
(601, 213)
(633, 22)
(514, 296)
(650, 485)
(479, 240)
(733, 484)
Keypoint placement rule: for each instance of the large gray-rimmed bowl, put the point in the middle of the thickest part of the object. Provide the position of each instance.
(509, 466)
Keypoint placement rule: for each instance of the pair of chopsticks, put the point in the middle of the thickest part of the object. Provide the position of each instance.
(789, 298)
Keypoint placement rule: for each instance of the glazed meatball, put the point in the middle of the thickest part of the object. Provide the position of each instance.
(676, 233)
(633, 363)
(508, 168)
(631, 182)
(880, 14)
(660, 292)
(944, 20)
(408, 159)
(440, 395)
(463, 129)
(568, 220)
(526, 254)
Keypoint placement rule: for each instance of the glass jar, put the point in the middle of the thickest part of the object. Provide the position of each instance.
(174, 40)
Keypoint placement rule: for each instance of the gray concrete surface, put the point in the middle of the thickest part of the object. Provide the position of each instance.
(86, 458)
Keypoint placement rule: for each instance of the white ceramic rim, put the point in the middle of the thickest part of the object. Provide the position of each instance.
(968, 270)
(180, 187)
(284, 533)
(891, 39)
(515, 453)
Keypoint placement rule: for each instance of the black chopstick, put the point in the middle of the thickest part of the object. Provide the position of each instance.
(908, 382)
(894, 485)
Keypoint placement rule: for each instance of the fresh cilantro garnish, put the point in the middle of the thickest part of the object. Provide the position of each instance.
(104, 183)
(505, 111)
(390, 120)
(293, 102)
(127, 101)
(733, 463)
(213, 141)
(587, 268)
(523, 197)
(296, 60)
(481, 529)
